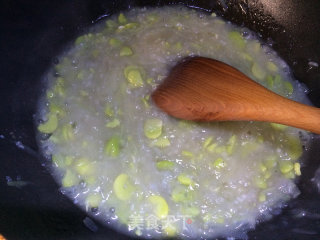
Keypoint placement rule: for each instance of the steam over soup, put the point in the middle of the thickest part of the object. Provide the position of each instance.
(145, 173)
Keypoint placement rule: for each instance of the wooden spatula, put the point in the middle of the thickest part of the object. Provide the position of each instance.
(204, 89)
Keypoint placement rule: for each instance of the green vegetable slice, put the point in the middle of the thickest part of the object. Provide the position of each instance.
(262, 197)
(55, 109)
(126, 51)
(59, 87)
(182, 194)
(68, 132)
(263, 168)
(231, 144)
(115, 42)
(237, 39)
(278, 126)
(169, 230)
(271, 161)
(122, 19)
(277, 80)
(108, 111)
(260, 182)
(153, 128)
(191, 211)
(93, 200)
(207, 142)
(247, 57)
(114, 123)
(187, 154)
(80, 40)
(123, 187)
(258, 71)
(134, 76)
(161, 208)
(84, 167)
(294, 147)
(219, 163)
(288, 87)
(161, 142)
(57, 160)
(145, 101)
(286, 166)
(296, 168)
(267, 174)
(61, 161)
(185, 180)
(131, 25)
(69, 179)
(165, 165)
(112, 147)
(272, 67)
(211, 148)
(270, 81)
(50, 125)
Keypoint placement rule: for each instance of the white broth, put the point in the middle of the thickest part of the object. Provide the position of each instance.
(133, 167)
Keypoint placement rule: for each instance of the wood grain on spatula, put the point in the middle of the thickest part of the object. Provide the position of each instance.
(204, 89)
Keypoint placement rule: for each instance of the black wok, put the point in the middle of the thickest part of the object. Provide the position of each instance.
(32, 33)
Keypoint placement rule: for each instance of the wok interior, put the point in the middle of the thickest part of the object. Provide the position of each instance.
(38, 209)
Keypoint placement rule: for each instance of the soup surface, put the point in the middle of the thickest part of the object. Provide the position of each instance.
(145, 173)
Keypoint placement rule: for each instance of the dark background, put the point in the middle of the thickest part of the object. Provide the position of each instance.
(32, 33)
